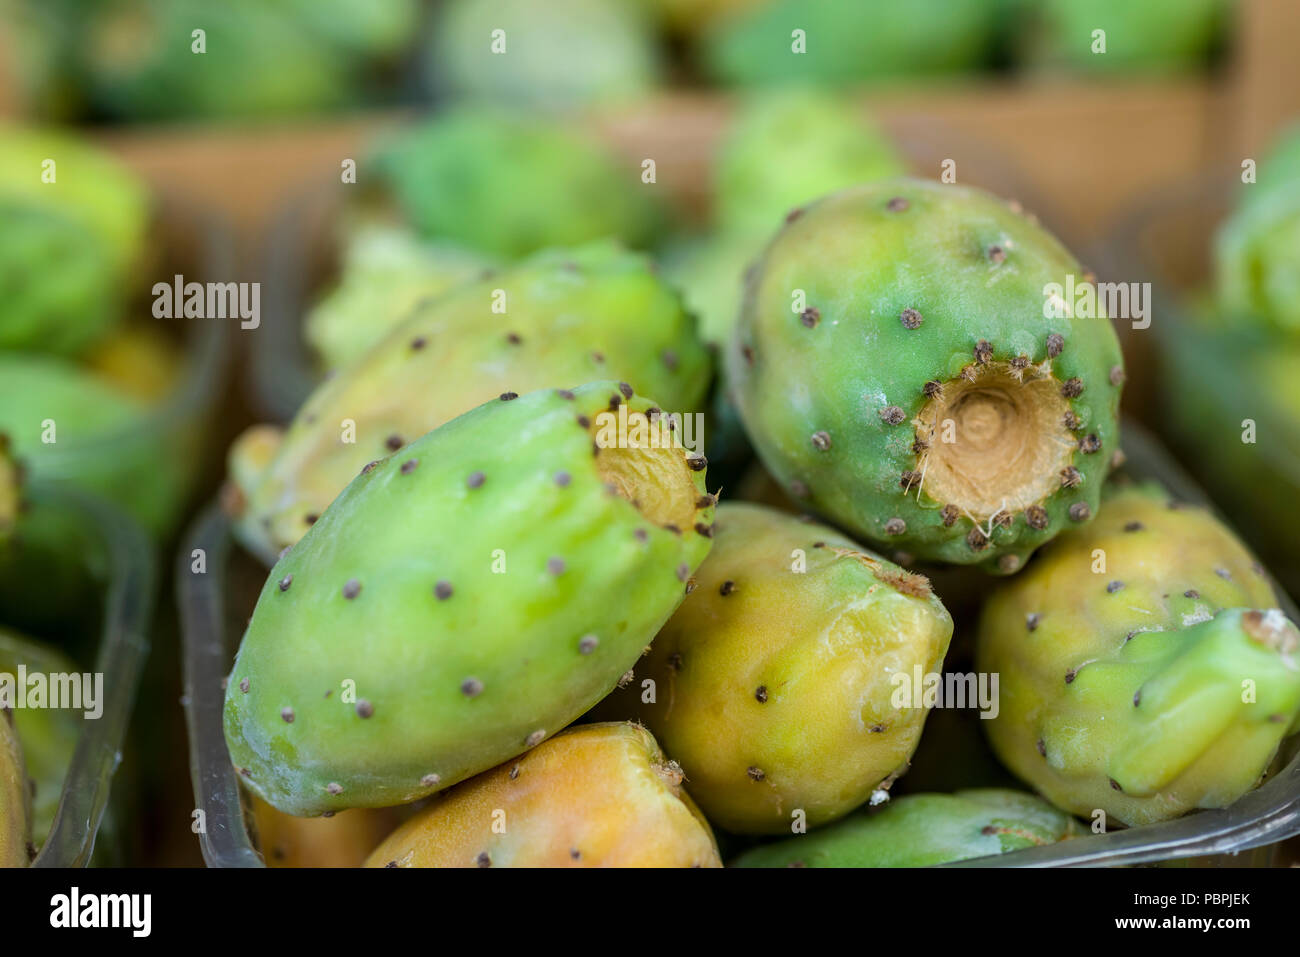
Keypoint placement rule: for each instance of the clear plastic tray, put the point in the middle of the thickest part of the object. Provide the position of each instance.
(128, 602)
(213, 612)
(302, 256)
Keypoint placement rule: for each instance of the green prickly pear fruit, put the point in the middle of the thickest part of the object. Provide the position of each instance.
(48, 735)
(15, 822)
(786, 148)
(508, 185)
(68, 424)
(82, 183)
(59, 286)
(1257, 249)
(1137, 675)
(561, 54)
(598, 795)
(466, 598)
(560, 317)
(1155, 36)
(709, 273)
(896, 370)
(921, 830)
(772, 683)
(847, 41)
(386, 273)
(72, 223)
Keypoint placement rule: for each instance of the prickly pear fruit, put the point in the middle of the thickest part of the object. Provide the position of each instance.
(1257, 249)
(59, 285)
(340, 840)
(895, 370)
(71, 224)
(921, 830)
(1137, 674)
(509, 185)
(570, 316)
(48, 735)
(787, 148)
(560, 54)
(848, 41)
(771, 684)
(385, 659)
(15, 823)
(709, 272)
(83, 183)
(598, 795)
(386, 272)
(1156, 36)
(67, 423)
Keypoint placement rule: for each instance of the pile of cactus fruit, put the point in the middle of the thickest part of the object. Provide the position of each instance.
(515, 617)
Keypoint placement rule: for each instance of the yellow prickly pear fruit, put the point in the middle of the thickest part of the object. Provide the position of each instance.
(600, 795)
(774, 684)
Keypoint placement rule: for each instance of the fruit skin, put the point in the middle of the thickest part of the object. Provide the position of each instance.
(786, 148)
(341, 840)
(599, 795)
(908, 282)
(102, 443)
(848, 41)
(48, 735)
(557, 55)
(575, 315)
(508, 185)
(1154, 725)
(921, 830)
(772, 686)
(451, 674)
(15, 821)
(1257, 248)
(386, 273)
(67, 244)
(1152, 37)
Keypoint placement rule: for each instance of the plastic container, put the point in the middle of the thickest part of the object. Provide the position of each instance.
(122, 549)
(302, 254)
(1208, 384)
(214, 610)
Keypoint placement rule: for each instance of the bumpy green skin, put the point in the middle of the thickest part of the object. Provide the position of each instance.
(577, 315)
(849, 41)
(1129, 690)
(860, 264)
(563, 53)
(772, 681)
(89, 185)
(102, 441)
(508, 185)
(15, 822)
(922, 830)
(1154, 36)
(58, 283)
(1257, 249)
(259, 62)
(787, 148)
(453, 686)
(48, 735)
(66, 245)
(386, 272)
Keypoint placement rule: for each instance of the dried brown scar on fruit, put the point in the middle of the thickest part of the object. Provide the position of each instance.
(1011, 441)
(909, 583)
